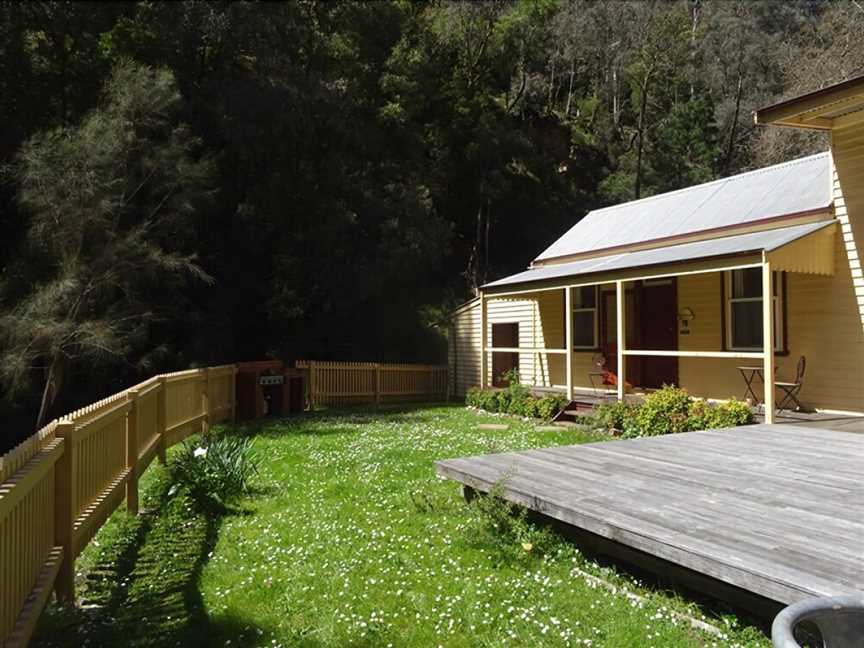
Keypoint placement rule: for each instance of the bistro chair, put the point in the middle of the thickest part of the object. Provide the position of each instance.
(792, 389)
(597, 377)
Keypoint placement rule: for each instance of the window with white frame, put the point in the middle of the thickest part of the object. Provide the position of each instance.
(743, 309)
(585, 317)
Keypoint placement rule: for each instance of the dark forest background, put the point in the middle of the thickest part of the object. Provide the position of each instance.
(193, 183)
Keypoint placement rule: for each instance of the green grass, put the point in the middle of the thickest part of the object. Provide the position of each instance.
(353, 541)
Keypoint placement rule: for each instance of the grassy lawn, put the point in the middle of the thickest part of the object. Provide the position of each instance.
(353, 541)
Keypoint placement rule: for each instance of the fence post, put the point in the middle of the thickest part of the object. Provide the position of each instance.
(234, 394)
(205, 403)
(377, 384)
(162, 417)
(65, 479)
(312, 385)
(132, 452)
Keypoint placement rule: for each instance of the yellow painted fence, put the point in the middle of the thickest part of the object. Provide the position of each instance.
(59, 487)
(347, 383)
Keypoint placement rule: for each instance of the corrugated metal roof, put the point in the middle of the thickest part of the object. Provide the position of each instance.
(729, 245)
(789, 188)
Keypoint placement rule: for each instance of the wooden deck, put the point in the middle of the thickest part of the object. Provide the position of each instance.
(776, 511)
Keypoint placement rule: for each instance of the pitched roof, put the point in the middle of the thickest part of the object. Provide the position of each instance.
(767, 240)
(797, 187)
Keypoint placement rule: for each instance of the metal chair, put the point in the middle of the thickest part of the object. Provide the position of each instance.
(595, 377)
(792, 389)
(830, 621)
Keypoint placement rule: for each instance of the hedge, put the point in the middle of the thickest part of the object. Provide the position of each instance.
(668, 411)
(515, 399)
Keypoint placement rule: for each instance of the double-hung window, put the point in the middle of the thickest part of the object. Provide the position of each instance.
(584, 317)
(743, 310)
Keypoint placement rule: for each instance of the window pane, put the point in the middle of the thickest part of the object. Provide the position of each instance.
(747, 283)
(585, 297)
(747, 325)
(583, 329)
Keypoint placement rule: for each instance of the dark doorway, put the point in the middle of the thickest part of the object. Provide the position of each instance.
(504, 335)
(657, 320)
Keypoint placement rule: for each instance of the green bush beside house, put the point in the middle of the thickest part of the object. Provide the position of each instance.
(667, 411)
(515, 399)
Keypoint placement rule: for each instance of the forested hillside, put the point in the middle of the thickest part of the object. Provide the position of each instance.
(201, 182)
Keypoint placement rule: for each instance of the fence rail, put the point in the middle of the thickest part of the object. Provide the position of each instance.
(59, 487)
(348, 383)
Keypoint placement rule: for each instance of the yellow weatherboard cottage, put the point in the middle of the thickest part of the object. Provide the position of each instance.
(710, 287)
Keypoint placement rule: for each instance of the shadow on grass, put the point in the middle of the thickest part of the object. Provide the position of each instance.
(143, 589)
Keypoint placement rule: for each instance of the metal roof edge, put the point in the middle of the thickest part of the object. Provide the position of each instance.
(803, 229)
(724, 232)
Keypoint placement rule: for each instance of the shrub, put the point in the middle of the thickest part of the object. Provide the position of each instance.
(549, 406)
(216, 470)
(615, 416)
(732, 413)
(529, 408)
(485, 399)
(666, 411)
(699, 416)
(504, 530)
(703, 416)
(502, 401)
(671, 410)
(516, 400)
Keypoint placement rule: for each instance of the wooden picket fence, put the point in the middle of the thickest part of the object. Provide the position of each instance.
(350, 383)
(59, 487)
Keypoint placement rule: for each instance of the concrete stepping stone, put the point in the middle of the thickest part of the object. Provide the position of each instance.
(493, 426)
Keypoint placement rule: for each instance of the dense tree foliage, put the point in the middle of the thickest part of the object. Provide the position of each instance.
(110, 206)
(370, 163)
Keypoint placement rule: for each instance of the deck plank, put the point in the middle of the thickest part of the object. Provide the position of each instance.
(777, 511)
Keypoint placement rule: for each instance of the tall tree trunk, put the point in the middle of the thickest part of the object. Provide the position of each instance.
(53, 383)
(472, 272)
(640, 135)
(733, 128)
(570, 87)
(695, 10)
(485, 274)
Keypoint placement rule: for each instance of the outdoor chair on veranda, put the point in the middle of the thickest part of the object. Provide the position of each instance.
(792, 389)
